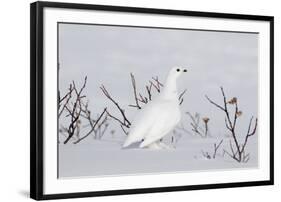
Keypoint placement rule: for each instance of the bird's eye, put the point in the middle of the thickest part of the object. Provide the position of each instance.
(178, 70)
(184, 70)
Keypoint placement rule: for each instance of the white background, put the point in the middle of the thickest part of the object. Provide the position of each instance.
(14, 102)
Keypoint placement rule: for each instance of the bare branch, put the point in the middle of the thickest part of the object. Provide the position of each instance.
(148, 90)
(218, 106)
(67, 94)
(235, 115)
(123, 129)
(216, 147)
(67, 97)
(92, 129)
(159, 84)
(249, 134)
(143, 99)
(254, 129)
(125, 122)
(135, 91)
(118, 120)
(231, 155)
(181, 96)
(195, 124)
(231, 125)
(226, 124)
(206, 154)
(75, 110)
(213, 156)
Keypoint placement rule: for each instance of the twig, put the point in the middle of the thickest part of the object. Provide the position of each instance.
(230, 124)
(92, 129)
(249, 134)
(125, 121)
(159, 84)
(181, 96)
(216, 147)
(206, 154)
(135, 91)
(195, 124)
(67, 97)
(122, 127)
(75, 112)
(148, 90)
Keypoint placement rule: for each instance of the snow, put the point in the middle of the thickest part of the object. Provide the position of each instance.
(106, 157)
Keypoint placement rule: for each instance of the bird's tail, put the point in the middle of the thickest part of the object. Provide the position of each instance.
(133, 137)
(127, 143)
(130, 139)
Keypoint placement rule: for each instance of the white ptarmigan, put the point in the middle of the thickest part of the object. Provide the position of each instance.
(158, 117)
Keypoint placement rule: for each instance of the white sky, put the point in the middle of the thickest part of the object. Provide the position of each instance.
(107, 55)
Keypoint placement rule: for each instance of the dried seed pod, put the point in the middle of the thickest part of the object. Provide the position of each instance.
(232, 101)
(239, 113)
(205, 119)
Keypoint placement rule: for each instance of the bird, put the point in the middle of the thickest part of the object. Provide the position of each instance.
(158, 117)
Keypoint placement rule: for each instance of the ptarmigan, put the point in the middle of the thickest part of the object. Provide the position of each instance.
(158, 117)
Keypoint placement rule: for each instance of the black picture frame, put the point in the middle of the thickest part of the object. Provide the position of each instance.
(36, 98)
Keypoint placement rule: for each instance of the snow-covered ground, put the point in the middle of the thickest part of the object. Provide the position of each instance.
(106, 157)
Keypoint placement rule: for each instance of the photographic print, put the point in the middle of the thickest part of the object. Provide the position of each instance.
(143, 100)
(131, 100)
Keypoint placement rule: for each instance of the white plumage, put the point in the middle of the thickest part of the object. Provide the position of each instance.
(158, 117)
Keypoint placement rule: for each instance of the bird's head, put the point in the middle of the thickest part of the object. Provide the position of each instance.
(175, 72)
(170, 86)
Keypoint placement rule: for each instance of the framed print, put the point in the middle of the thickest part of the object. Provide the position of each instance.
(137, 100)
